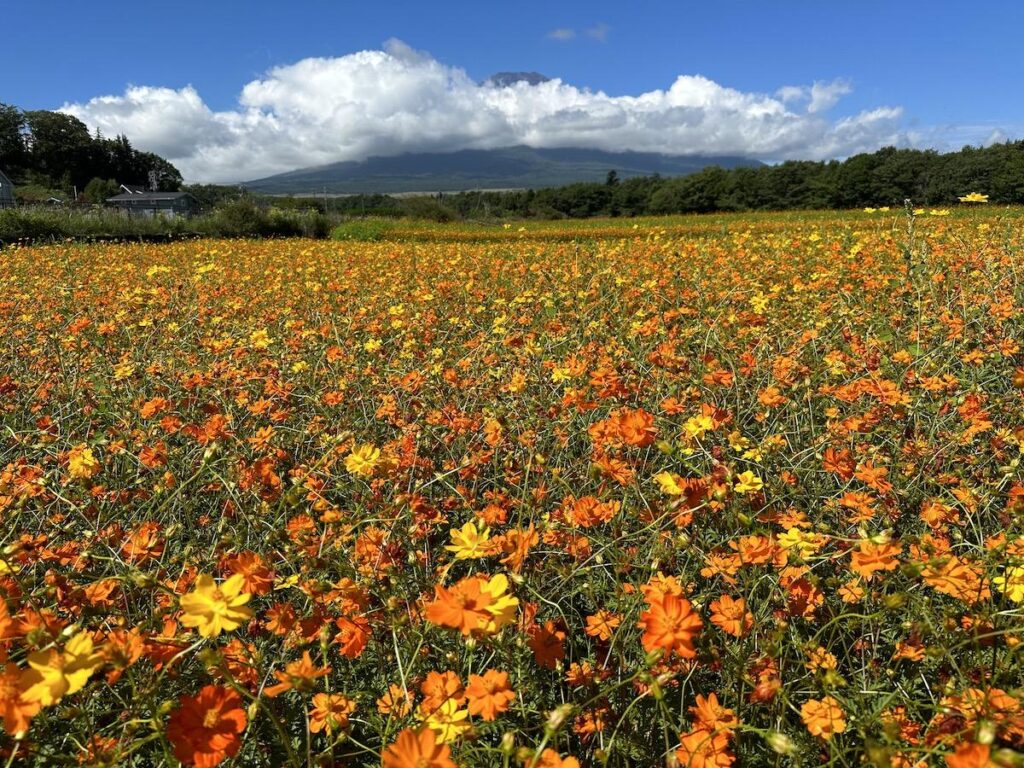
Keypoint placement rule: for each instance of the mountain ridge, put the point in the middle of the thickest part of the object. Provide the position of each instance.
(516, 167)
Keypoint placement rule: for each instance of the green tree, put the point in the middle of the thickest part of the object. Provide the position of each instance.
(98, 190)
(60, 147)
(13, 155)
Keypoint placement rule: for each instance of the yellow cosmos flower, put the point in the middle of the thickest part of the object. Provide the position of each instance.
(698, 425)
(212, 609)
(804, 543)
(669, 483)
(53, 674)
(260, 339)
(82, 463)
(468, 542)
(1011, 583)
(363, 460)
(448, 722)
(748, 482)
(503, 605)
(974, 197)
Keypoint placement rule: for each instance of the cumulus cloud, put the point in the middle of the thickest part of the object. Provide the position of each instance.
(324, 110)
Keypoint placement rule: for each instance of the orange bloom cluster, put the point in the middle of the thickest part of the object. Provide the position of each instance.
(719, 490)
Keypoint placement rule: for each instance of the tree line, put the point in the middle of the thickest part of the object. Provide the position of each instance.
(51, 154)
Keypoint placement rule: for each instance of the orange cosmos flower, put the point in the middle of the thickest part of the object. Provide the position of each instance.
(205, 728)
(971, 755)
(330, 712)
(417, 749)
(731, 616)
(462, 607)
(871, 558)
(489, 694)
(704, 749)
(671, 625)
(823, 717)
(713, 716)
(549, 758)
(353, 635)
(298, 675)
(15, 710)
(547, 643)
(636, 427)
(258, 578)
(602, 625)
(473, 605)
(396, 702)
(143, 543)
(439, 687)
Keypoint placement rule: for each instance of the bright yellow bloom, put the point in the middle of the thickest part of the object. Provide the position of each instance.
(748, 482)
(52, 674)
(448, 722)
(804, 543)
(212, 609)
(363, 460)
(1011, 583)
(974, 197)
(260, 339)
(698, 425)
(502, 607)
(737, 441)
(82, 464)
(469, 543)
(669, 483)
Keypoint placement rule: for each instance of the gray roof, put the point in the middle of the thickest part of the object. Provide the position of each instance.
(147, 196)
(6, 187)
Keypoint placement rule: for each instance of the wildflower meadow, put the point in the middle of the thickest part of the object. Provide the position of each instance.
(705, 491)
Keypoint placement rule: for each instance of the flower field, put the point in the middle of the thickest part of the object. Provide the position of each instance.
(698, 492)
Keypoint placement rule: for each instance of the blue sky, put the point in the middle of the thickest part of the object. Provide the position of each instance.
(951, 69)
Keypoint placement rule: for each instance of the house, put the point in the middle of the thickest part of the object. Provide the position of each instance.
(169, 204)
(6, 192)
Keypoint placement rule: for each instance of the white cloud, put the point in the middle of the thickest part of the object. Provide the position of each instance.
(324, 110)
(820, 96)
(598, 32)
(562, 33)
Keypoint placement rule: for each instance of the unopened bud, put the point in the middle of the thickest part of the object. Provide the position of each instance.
(986, 732)
(557, 717)
(508, 743)
(781, 743)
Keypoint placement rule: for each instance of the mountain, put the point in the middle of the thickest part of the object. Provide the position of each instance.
(508, 168)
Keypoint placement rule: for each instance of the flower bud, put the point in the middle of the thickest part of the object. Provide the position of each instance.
(781, 743)
(986, 732)
(557, 717)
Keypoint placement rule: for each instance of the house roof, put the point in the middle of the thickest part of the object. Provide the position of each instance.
(6, 187)
(152, 197)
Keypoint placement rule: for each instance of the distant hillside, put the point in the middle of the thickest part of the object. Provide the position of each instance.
(507, 168)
